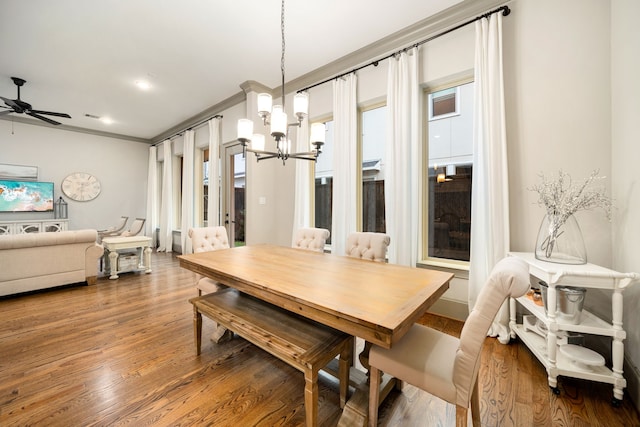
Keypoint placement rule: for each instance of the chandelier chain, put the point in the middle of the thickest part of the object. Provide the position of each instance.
(283, 48)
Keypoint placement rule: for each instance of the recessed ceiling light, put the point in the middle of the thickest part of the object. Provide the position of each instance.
(106, 120)
(143, 84)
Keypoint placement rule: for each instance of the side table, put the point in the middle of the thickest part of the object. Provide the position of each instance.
(142, 246)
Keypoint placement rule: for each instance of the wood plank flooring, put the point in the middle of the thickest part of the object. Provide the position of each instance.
(121, 353)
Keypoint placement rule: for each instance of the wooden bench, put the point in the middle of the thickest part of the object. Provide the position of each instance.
(300, 342)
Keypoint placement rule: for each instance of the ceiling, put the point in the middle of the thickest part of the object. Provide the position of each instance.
(83, 57)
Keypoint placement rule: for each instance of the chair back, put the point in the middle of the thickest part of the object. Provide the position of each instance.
(136, 227)
(367, 245)
(312, 239)
(204, 239)
(509, 278)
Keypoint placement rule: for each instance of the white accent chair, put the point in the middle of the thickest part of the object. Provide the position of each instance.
(367, 245)
(311, 239)
(441, 364)
(136, 227)
(115, 230)
(205, 239)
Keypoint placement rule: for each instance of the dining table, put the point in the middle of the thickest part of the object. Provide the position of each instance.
(375, 301)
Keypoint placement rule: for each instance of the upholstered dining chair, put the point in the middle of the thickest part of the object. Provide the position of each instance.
(115, 230)
(136, 227)
(368, 245)
(205, 239)
(441, 364)
(371, 247)
(312, 239)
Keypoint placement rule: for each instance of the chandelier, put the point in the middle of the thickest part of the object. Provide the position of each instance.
(276, 117)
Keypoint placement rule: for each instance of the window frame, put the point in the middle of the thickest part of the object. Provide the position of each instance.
(460, 268)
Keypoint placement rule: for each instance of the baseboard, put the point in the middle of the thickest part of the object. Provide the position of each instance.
(450, 308)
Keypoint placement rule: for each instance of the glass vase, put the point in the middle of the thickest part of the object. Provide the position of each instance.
(560, 242)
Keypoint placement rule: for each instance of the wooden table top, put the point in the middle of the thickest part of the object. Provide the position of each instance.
(375, 301)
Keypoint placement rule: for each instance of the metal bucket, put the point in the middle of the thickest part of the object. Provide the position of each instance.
(569, 302)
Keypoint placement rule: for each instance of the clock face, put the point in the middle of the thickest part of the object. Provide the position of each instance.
(81, 186)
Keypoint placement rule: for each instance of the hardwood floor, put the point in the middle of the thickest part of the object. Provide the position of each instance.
(122, 353)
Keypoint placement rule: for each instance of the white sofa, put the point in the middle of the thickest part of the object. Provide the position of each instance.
(35, 261)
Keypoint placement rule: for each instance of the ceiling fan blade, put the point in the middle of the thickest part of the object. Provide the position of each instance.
(46, 119)
(9, 102)
(51, 113)
(2, 113)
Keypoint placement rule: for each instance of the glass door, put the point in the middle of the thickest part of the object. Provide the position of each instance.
(233, 183)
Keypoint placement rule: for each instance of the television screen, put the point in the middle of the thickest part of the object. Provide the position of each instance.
(26, 196)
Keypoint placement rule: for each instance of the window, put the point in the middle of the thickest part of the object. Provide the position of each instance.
(373, 135)
(443, 103)
(324, 182)
(450, 161)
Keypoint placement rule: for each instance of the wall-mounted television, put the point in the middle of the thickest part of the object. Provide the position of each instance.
(26, 196)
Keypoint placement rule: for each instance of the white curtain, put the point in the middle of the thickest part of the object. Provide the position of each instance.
(302, 190)
(152, 195)
(402, 158)
(345, 138)
(166, 204)
(188, 190)
(490, 192)
(213, 203)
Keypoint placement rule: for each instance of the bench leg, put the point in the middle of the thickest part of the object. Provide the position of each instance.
(311, 396)
(344, 365)
(197, 329)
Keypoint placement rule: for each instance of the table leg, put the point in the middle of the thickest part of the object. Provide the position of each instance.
(344, 366)
(147, 259)
(356, 411)
(311, 396)
(113, 264)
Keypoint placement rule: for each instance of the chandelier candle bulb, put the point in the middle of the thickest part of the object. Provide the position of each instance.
(245, 129)
(301, 105)
(278, 121)
(264, 104)
(317, 132)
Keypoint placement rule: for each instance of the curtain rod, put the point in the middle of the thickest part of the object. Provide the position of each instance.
(201, 122)
(504, 9)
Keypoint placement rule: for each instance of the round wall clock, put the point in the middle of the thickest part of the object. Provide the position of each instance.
(81, 186)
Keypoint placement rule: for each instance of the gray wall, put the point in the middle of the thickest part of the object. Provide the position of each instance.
(120, 165)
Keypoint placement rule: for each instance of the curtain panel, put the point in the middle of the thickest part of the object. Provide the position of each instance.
(345, 138)
(213, 201)
(490, 190)
(403, 186)
(165, 238)
(302, 189)
(153, 198)
(188, 191)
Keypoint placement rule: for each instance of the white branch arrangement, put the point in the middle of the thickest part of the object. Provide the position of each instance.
(562, 198)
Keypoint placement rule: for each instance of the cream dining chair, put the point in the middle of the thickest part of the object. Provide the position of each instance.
(205, 239)
(312, 239)
(441, 364)
(371, 247)
(367, 245)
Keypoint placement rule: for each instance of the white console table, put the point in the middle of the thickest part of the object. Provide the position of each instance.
(142, 247)
(546, 350)
(35, 226)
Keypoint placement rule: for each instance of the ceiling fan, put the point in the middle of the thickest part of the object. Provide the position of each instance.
(19, 106)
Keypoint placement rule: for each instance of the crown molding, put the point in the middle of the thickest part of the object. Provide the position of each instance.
(87, 131)
(199, 118)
